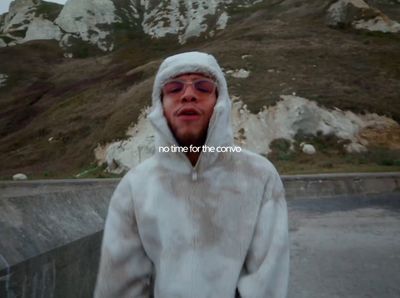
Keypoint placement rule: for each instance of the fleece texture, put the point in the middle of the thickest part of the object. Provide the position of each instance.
(218, 229)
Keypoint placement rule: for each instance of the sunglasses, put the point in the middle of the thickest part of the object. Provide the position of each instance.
(178, 87)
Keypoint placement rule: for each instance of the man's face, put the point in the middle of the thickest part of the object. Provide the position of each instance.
(188, 110)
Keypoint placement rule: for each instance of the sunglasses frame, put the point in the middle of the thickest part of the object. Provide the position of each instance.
(186, 84)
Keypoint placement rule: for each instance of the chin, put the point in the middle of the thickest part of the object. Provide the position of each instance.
(187, 138)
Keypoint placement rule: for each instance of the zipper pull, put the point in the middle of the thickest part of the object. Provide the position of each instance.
(194, 175)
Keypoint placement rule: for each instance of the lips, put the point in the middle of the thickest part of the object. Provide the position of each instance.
(188, 113)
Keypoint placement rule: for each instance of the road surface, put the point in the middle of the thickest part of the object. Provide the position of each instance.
(345, 247)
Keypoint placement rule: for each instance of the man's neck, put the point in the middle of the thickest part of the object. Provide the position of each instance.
(193, 157)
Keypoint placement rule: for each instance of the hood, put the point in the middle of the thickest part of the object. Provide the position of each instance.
(220, 127)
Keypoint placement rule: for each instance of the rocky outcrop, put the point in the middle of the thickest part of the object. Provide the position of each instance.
(284, 120)
(380, 23)
(42, 29)
(16, 21)
(185, 19)
(355, 148)
(89, 20)
(96, 21)
(100, 22)
(28, 20)
(123, 155)
(344, 12)
(3, 79)
(2, 17)
(359, 15)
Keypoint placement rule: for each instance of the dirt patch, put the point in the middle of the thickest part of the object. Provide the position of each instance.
(389, 138)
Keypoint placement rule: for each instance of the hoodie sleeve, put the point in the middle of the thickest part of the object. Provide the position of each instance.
(265, 273)
(124, 269)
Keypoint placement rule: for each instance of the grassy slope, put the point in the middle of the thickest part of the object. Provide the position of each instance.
(83, 102)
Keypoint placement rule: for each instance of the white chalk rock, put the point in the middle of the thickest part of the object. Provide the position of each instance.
(378, 23)
(184, 18)
(308, 149)
(42, 29)
(3, 79)
(355, 148)
(87, 18)
(241, 74)
(2, 43)
(222, 21)
(122, 155)
(254, 132)
(343, 12)
(20, 14)
(360, 15)
(20, 177)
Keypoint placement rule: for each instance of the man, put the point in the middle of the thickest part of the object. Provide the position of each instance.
(195, 224)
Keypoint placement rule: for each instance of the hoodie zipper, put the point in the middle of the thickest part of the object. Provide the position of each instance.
(194, 169)
(194, 175)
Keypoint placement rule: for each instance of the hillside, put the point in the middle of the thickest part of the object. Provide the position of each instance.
(54, 111)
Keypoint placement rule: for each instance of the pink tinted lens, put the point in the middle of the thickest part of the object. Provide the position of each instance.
(204, 86)
(173, 87)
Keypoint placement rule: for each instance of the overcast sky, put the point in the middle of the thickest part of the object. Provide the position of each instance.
(4, 4)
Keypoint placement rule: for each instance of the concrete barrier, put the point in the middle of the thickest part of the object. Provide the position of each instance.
(50, 237)
(51, 231)
(330, 185)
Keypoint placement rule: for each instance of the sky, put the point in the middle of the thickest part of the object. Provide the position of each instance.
(4, 4)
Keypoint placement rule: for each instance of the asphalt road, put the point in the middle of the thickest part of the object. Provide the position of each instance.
(345, 247)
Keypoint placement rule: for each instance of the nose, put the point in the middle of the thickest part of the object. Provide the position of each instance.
(189, 93)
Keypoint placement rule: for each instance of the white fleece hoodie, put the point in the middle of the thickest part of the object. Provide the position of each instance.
(217, 230)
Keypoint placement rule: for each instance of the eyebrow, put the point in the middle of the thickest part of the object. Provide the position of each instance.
(195, 73)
